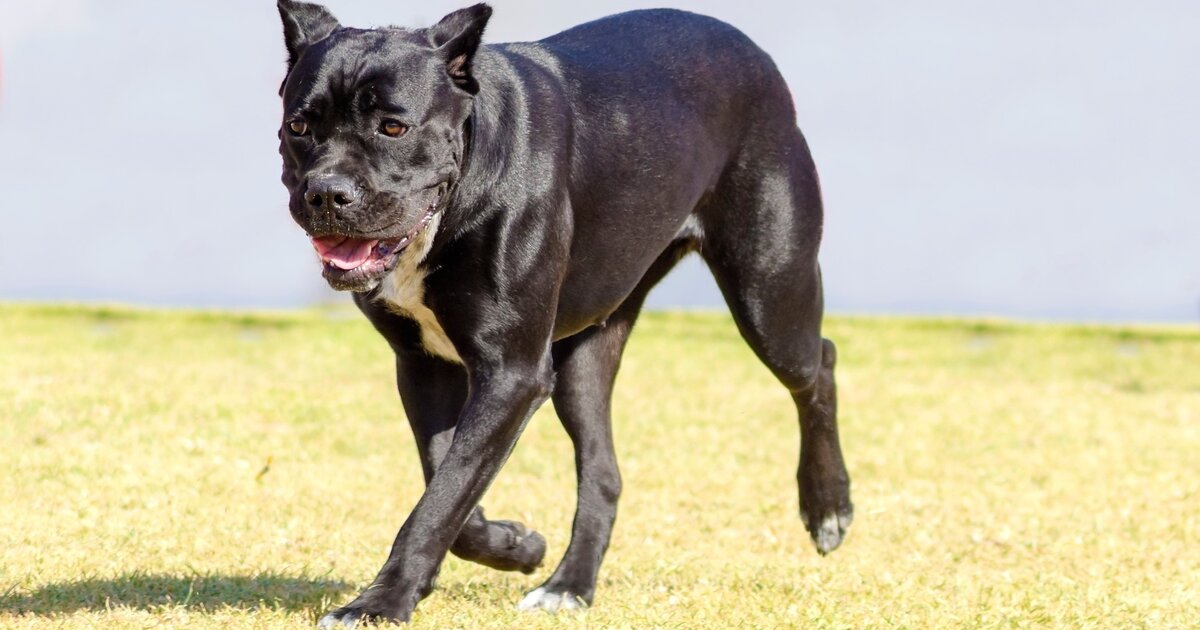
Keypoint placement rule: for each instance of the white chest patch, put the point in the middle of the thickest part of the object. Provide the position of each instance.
(403, 292)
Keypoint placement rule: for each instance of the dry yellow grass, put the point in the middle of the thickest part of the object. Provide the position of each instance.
(1005, 475)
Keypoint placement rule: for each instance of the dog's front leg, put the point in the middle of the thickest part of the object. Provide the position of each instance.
(497, 409)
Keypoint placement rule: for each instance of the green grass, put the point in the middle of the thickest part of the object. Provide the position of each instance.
(1005, 475)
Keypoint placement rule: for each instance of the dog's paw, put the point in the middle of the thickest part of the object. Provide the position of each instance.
(338, 619)
(358, 614)
(525, 548)
(829, 529)
(501, 545)
(551, 600)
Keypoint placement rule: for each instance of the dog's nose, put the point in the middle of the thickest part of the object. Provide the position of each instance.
(331, 193)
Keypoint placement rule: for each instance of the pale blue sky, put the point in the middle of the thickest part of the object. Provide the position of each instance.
(1021, 158)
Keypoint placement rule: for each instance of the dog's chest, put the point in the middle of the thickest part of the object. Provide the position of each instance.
(403, 292)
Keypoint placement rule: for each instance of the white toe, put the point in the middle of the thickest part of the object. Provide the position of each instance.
(329, 622)
(541, 599)
(530, 601)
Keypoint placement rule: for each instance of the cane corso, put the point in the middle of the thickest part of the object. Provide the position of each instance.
(499, 213)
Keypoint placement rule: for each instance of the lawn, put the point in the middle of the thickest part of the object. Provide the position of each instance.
(216, 470)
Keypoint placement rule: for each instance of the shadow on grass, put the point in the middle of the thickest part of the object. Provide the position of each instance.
(198, 592)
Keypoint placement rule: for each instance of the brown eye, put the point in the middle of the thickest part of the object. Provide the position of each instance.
(392, 128)
(298, 127)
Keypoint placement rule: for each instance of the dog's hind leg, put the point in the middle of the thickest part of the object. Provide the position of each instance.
(586, 367)
(760, 238)
(433, 392)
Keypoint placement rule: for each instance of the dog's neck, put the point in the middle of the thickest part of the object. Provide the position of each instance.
(483, 166)
(468, 133)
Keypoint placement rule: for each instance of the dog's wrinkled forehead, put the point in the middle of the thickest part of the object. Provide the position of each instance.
(356, 69)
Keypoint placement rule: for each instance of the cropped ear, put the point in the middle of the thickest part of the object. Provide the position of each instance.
(304, 24)
(457, 38)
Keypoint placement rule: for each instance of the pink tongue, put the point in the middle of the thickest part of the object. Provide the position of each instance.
(343, 252)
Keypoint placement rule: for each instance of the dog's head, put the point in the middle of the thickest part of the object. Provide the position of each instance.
(372, 135)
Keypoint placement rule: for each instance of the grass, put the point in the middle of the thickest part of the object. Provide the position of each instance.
(214, 470)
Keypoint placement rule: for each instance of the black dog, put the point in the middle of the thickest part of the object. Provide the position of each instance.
(500, 213)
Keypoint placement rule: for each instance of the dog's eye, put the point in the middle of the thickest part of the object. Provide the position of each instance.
(298, 127)
(392, 128)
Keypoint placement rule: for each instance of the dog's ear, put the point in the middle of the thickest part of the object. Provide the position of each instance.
(456, 39)
(304, 24)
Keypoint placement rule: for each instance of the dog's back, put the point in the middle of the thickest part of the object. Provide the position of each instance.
(686, 80)
(668, 60)
(645, 113)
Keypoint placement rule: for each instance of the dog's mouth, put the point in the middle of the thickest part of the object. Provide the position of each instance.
(356, 264)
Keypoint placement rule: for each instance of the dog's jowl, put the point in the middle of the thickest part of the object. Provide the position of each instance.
(499, 213)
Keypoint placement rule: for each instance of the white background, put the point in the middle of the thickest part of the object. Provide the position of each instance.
(1021, 158)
